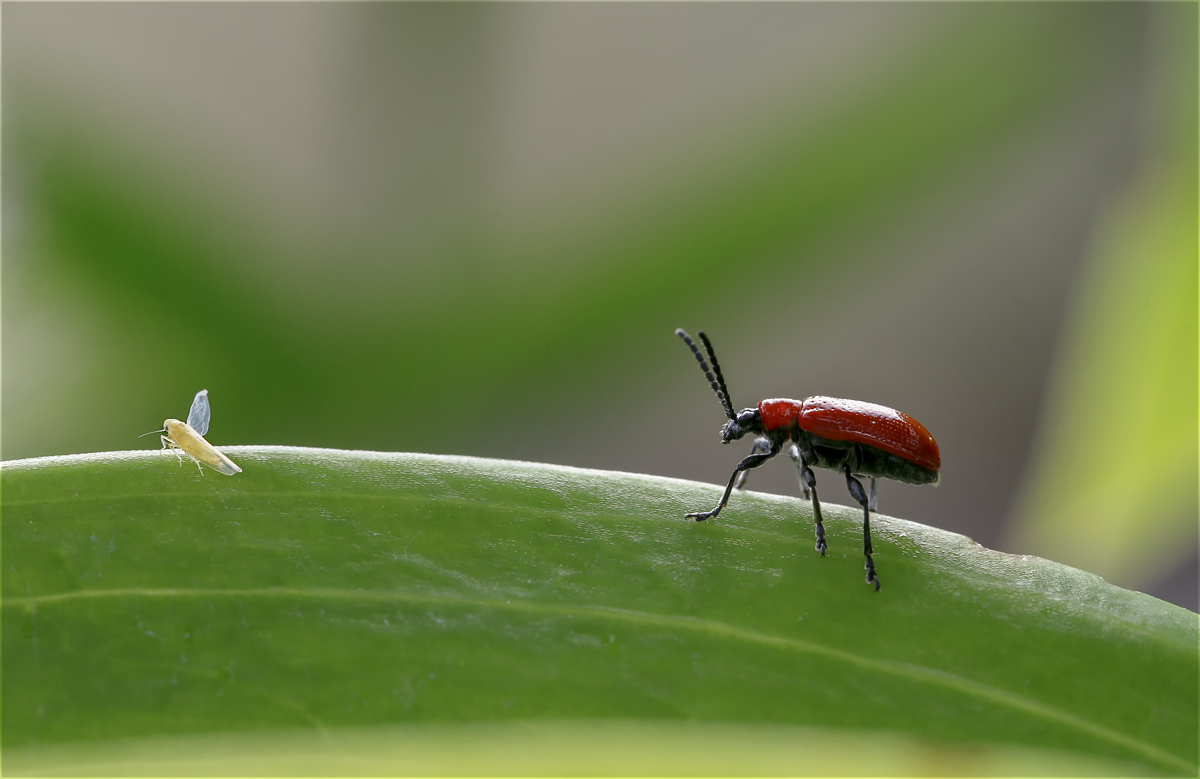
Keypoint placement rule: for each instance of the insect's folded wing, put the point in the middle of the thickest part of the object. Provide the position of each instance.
(201, 413)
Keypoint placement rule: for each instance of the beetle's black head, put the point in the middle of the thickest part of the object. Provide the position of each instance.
(749, 421)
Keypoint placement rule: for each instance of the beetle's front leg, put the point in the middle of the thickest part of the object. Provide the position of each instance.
(761, 444)
(753, 461)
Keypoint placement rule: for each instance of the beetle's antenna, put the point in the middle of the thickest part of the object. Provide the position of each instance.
(712, 357)
(717, 381)
(152, 432)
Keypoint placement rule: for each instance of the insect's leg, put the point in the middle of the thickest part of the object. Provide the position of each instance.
(808, 484)
(874, 504)
(808, 488)
(197, 462)
(793, 452)
(169, 444)
(860, 495)
(753, 461)
(761, 444)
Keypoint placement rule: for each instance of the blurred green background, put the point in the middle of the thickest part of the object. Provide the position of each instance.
(472, 229)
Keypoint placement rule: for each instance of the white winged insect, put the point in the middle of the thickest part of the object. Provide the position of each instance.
(188, 437)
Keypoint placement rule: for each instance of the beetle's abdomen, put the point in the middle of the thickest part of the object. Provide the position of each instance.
(867, 423)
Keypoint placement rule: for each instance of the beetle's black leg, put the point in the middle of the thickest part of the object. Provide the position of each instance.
(794, 453)
(808, 486)
(810, 483)
(753, 461)
(761, 444)
(873, 503)
(860, 495)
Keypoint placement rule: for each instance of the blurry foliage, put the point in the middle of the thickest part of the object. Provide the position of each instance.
(1115, 487)
(127, 289)
(488, 328)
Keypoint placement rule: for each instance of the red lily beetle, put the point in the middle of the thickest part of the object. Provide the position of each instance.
(850, 436)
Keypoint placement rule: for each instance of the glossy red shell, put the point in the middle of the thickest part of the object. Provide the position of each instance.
(778, 412)
(853, 420)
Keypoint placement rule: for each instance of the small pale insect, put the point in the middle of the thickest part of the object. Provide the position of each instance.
(188, 438)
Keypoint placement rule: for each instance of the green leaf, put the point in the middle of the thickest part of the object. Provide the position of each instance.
(548, 619)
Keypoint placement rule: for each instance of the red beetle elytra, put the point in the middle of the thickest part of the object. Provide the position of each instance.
(850, 436)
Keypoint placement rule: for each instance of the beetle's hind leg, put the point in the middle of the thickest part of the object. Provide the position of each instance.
(761, 446)
(860, 495)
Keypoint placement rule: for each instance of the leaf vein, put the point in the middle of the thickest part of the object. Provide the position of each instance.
(924, 674)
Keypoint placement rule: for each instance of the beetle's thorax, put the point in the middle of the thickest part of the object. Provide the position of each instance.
(779, 413)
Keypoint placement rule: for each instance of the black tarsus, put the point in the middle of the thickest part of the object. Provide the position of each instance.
(751, 461)
(717, 381)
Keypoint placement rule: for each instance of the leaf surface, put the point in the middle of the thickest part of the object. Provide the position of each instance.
(330, 591)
